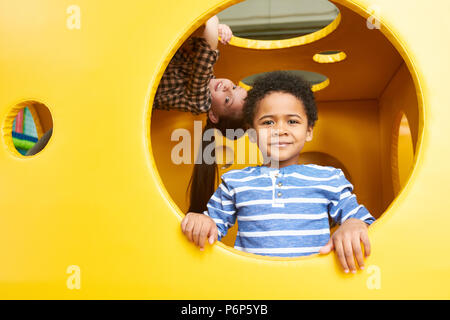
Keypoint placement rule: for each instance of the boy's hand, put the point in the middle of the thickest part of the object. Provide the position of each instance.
(197, 227)
(225, 33)
(346, 241)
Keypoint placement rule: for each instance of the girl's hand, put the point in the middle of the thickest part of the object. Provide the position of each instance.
(346, 241)
(210, 32)
(197, 227)
(225, 33)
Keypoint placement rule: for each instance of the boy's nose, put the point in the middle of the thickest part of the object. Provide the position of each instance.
(279, 130)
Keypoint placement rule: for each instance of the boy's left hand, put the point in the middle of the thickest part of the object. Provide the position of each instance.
(346, 241)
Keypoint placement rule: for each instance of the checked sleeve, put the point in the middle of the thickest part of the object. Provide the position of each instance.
(184, 84)
(197, 91)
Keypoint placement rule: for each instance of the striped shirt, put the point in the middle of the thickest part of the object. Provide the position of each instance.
(284, 212)
(184, 84)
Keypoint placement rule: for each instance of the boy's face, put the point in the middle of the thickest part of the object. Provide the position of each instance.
(227, 99)
(282, 129)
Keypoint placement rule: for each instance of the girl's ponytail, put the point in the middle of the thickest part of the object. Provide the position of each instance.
(202, 184)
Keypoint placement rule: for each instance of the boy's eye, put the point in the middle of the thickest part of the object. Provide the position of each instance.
(267, 122)
(292, 121)
(234, 87)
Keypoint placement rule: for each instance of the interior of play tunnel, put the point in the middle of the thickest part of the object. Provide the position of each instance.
(360, 111)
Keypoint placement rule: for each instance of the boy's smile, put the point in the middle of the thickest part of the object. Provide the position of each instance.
(282, 128)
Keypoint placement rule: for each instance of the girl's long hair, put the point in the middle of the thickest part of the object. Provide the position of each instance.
(204, 176)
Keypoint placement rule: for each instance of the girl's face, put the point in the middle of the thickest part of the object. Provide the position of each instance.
(282, 129)
(227, 98)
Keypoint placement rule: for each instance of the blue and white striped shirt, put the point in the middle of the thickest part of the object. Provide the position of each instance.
(284, 212)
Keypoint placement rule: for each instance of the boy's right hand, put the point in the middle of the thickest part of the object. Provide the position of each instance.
(197, 227)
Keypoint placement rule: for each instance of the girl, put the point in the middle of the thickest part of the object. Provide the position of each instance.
(283, 207)
(188, 84)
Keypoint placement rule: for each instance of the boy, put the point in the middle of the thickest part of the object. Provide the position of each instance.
(283, 207)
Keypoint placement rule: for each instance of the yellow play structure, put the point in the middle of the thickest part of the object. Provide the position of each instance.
(96, 214)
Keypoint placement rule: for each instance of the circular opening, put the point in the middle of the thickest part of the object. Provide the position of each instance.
(329, 52)
(356, 109)
(329, 56)
(278, 19)
(271, 24)
(402, 152)
(318, 81)
(28, 128)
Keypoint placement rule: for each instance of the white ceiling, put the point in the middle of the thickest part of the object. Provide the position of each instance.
(275, 19)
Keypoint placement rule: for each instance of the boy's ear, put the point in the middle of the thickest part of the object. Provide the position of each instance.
(212, 116)
(309, 134)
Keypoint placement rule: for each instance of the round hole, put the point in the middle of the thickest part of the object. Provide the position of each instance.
(402, 152)
(28, 128)
(329, 57)
(318, 81)
(270, 24)
(355, 111)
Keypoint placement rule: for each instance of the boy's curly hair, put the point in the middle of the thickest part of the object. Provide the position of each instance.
(280, 81)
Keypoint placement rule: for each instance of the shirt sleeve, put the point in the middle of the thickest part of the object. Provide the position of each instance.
(198, 94)
(222, 209)
(345, 205)
(184, 84)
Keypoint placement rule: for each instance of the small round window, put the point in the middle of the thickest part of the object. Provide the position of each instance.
(29, 127)
(329, 56)
(318, 81)
(402, 152)
(278, 19)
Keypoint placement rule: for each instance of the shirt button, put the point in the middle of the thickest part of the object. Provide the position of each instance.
(280, 184)
(279, 194)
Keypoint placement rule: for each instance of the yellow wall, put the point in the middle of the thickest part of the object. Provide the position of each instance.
(399, 96)
(105, 209)
(175, 177)
(349, 131)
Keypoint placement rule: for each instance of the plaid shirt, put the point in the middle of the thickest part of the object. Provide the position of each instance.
(184, 85)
